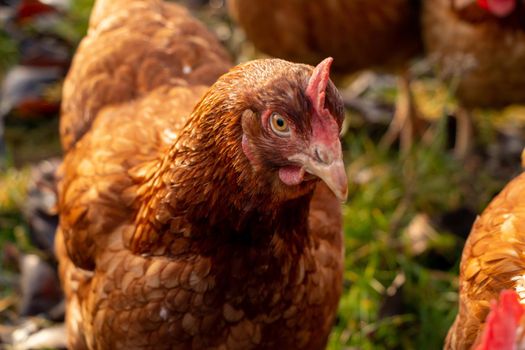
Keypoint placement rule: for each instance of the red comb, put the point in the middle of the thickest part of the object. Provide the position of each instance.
(316, 89)
(502, 323)
(499, 8)
(483, 4)
(30, 8)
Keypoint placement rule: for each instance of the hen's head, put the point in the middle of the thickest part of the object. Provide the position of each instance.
(499, 8)
(287, 119)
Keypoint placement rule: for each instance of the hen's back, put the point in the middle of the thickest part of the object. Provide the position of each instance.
(358, 34)
(133, 47)
(133, 83)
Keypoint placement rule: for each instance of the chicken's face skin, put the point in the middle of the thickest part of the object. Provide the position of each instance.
(291, 132)
(269, 149)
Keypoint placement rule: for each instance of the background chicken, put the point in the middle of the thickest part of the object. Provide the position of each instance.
(359, 34)
(492, 261)
(186, 212)
(480, 47)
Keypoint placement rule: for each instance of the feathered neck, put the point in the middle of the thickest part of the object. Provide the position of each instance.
(212, 176)
(206, 183)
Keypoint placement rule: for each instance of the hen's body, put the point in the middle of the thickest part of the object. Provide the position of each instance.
(158, 244)
(359, 34)
(486, 54)
(492, 261)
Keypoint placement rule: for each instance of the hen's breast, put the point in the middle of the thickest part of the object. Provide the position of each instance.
(223, 293)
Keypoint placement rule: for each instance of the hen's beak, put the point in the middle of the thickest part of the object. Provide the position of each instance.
(327, 164)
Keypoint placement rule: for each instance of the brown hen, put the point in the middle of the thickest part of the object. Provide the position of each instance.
(192, 217)
(359, 34)
(481, 49)
(492, 260)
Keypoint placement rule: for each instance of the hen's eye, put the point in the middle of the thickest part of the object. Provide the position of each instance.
(279, 125)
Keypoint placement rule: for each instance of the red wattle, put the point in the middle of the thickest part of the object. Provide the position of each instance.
(291, 175)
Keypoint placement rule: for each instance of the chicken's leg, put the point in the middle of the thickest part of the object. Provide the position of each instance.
(406, 123)
(464, 131)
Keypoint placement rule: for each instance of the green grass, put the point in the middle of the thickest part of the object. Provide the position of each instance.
(8, 52)
(13, 229)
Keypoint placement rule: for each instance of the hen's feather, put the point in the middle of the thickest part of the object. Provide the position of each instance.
(359, 34)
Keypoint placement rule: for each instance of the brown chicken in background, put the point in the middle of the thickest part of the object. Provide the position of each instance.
(192, 217)
(479, 46)
(359, 34)
(492, 260)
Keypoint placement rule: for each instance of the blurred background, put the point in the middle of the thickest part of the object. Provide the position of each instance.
(413, 197)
